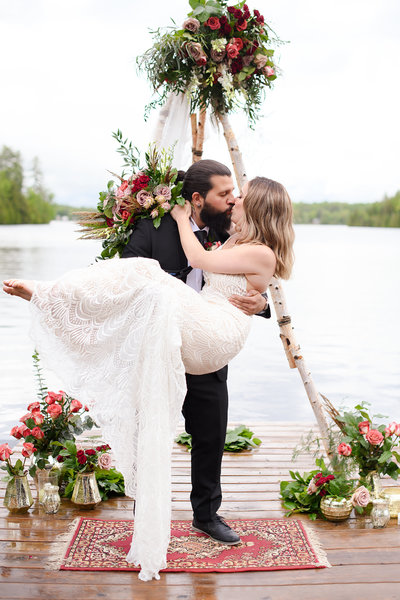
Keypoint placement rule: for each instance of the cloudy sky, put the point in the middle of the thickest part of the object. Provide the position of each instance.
(330, 128)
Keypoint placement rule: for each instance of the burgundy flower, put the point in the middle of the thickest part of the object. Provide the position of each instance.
(90, 452)
(231, 9)
(226, 29)
(237, 65)
(60, 458)
(323, 493)
(241, 24)
(82, 460)
(213, 23)
(238, 13)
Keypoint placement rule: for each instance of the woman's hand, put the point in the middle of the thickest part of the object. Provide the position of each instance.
(181, 212)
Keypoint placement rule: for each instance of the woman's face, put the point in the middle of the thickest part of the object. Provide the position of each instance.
(238, 210)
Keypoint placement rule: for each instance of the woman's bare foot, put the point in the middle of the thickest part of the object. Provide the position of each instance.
(18, 287)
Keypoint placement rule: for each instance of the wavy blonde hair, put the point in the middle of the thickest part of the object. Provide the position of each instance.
(267, 219)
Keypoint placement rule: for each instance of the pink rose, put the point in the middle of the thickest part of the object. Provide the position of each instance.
(312, 488)
(37, 433)
(160, 199)
(28, 449)
(34, 406)
(361, 497)
(238, 42)
(24, 430)
(5, 452)
(163, 190)
(191, 24)
(374, 437)
(213, 23)
(241, 25)
(76, 406)
(144, 198)
(195, 50)
(15, 432)
(26, 417)
(54, 410)
(363, 427)
(398, 430)
(344, 449)
(52, 397)
(154, 214)
(260, 60)
(232, 50)
(166, 206)
(247, 60)
(268, 71)
(38, 418)
(104, 461)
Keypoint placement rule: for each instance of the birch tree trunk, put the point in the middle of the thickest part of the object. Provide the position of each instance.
(198, 135)
(290, 346)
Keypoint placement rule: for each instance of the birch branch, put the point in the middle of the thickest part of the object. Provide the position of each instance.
(193, 123)
(200, 136)
(233, 147)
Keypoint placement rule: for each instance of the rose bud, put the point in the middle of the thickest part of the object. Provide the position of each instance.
(54, 410)
(60, 458)
(37, 433)
(15, 432)
(28, 449)
(344, 449)
(86, 408)
(5, 452)
(374, 437)
(76, 406)
(363, 427)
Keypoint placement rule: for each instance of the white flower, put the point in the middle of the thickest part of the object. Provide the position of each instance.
(219, 44)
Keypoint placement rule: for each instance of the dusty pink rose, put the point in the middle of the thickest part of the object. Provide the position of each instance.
(191, 24)
(374, 437)
(344, 449)
(37, 433)
(54, 410)
(34, 407)
(163, 190)
(76, 406)
(260, 60)
(232, 50)
(312, 488)
(218, 55)
(154, 214)
(160, 199)
(268, 71)
(166, 206)
(5, 452)
(195, 50)
(104, 461)
(247, 60)
(28, 449)
(144, 198)
(361, 497)
(364, 427)
(15, 432)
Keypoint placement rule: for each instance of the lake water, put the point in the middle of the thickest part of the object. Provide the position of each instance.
(343, 299)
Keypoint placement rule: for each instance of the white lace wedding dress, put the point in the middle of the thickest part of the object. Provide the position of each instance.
(121, 334)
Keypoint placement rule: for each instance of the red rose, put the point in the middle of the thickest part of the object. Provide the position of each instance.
(231, 9)
(374, 437)
(329, 477)
(232, 50)
(86, 408)
(60, 458)
(52, 397)
(80, 453)
(364, 427)
(237, 65)
(34, 406)
(15, 432)
(24, 430)
(226, 29)
(223, 20)
(76, 406)
(213, 23)
(344, 449)
(37, 433)
(90, 452)
(237, 42)
(241, 25)
(28, 449)
(238, 13)
(82, 460)
(123, 186)
(125, 214)
(54, 410)
(110, 222)
(323, 493)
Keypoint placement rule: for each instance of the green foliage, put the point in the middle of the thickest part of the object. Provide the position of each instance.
(110, 482)
(378, 214)
(18, 205)
(240, 438)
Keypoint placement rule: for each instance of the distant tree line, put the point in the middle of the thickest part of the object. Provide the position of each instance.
(377, 214)
(20, 204)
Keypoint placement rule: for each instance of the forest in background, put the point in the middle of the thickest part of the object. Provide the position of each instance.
(34, 203)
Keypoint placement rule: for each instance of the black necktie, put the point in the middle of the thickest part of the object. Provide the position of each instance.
(201, 235)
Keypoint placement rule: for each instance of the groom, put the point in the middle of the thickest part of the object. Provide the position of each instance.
(209, 186)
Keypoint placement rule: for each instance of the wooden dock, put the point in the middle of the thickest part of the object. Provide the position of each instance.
(365, 562)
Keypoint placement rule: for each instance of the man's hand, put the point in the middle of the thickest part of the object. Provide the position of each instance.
(251, 304)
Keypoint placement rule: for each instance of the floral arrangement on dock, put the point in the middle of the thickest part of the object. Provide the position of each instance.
(147, 192)
(220, 56)
(74, 459)
(240, 438)
(54, 417)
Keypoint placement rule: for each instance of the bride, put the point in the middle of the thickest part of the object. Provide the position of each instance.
(122, 333)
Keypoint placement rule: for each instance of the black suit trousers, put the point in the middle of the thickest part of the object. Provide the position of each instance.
(206, 412)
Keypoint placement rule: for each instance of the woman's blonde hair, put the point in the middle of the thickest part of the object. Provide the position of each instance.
(267, 219)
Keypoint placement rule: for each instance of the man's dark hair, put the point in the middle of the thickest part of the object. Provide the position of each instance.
(198, 177)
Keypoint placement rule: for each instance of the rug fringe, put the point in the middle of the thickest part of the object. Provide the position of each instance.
(59, 550)
(316, 544)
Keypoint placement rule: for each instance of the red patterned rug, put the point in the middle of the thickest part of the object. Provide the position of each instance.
(266, 545)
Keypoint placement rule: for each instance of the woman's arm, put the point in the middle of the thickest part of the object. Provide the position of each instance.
(247, 259)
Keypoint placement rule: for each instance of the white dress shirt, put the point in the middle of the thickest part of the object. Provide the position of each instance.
(195, 277)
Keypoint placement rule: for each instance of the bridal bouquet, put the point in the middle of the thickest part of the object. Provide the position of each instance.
(147, 192)
(220, 56)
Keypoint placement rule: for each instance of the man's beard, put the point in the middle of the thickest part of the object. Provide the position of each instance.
(219, 221)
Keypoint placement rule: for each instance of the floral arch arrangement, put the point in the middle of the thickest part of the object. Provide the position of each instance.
(219, 56)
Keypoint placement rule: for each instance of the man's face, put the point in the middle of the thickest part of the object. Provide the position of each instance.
(216, 208)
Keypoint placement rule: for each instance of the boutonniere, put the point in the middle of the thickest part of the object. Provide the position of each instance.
(212, 245)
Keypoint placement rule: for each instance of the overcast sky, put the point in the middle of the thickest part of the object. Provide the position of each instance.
(330, 129)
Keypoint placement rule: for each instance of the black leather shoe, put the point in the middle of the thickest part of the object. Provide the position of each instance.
(217, 530)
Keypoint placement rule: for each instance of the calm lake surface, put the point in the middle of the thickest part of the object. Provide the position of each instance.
(343, 299)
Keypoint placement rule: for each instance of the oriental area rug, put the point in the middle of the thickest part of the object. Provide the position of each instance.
(266, 545)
